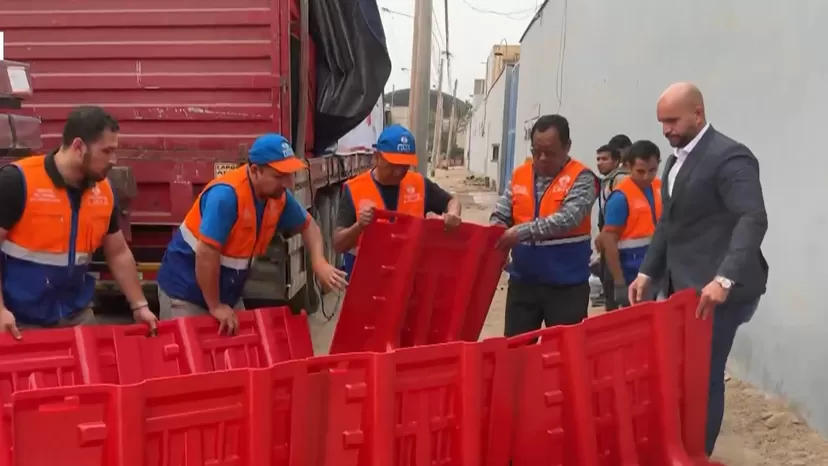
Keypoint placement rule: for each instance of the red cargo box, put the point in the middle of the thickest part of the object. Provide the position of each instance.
(414, 283)
(191, 82)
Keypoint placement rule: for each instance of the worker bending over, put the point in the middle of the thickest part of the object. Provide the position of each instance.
(390, 185)
(547, 208)
(631, 215)
(56, 211)
(234, 220)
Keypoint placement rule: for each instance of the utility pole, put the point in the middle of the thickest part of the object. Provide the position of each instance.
(452, 122)
(448, 50)
(420, 82)
(438, 121)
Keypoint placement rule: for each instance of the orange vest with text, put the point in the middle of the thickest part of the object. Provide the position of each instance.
(559, 260)
(48, 251)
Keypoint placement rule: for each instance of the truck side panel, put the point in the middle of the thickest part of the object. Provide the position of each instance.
(192, 82)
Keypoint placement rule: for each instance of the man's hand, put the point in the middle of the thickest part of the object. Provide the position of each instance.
(228, 321)
(329, 276)
(9, 324)
(711, 296)
(451, 220)
(509, 239)
(366, 214)
(638, 288)
(143, 315)
(621, 294)
(599, 245)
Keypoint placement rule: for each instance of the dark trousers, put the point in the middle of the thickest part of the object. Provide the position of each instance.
(609, 286)
(726, 321)
(529, 305)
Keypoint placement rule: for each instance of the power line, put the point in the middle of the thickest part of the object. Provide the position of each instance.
(516, 15)
(440, 40)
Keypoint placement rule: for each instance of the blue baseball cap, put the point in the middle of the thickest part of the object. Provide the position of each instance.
(396, 145)
(274, 151)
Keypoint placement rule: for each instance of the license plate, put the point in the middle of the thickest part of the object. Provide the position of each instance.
(220, 168)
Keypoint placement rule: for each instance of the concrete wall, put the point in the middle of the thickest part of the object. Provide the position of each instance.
(476, 148)
(487, 129)
(495, 127)
(399, 115)
(762, 66)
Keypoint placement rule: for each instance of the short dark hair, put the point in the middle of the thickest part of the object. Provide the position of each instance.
(558, 122)
(88, 123)
(620, 141)
(614, 153)
(642, 150)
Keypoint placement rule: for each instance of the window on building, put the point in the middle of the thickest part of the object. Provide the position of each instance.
(495, 152)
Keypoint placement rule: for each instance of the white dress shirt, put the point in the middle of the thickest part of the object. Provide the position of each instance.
(681, 156)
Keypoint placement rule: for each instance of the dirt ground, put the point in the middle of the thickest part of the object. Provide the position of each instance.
(758, 430)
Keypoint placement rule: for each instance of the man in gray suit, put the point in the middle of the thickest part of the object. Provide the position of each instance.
(710, 232)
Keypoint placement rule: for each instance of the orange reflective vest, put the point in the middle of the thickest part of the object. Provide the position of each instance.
(363, 190)
(245, 241)
(560, 260)
(46, 254)
(640, 226)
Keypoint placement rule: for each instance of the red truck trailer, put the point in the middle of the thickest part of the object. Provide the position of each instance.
(193, 83)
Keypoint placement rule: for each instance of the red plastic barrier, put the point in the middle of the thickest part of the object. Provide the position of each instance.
(124, 354)
(248, 417)
(629, 358)
(413, 407)
(406, 291)
(605, 392)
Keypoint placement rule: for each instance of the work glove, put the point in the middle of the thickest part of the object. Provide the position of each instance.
(621, 295)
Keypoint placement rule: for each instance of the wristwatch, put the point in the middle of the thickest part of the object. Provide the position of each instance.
(725, 283)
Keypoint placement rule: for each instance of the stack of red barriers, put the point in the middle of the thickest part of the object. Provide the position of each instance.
(624, 388)
(621, 389)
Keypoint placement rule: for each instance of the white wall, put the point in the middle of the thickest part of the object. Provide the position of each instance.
(486, 129)
(476, 149)
(495, 126)
(762, 67)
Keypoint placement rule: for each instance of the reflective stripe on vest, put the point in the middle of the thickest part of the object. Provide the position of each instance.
(43, 258)
(225, 261)
(634, 243)
(410, 200)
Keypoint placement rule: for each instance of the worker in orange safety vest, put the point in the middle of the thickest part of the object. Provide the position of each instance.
(390, 185)
(234, 220)
(56, 211)
(632, 212)
(547, 208)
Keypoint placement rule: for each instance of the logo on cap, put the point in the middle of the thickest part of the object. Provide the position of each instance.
(286, 149)
(403, 139)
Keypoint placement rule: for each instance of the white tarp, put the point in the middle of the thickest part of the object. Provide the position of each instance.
(364, 136)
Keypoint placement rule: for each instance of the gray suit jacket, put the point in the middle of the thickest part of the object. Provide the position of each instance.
(714, 222)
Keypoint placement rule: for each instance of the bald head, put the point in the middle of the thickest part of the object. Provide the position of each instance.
(680, 110)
